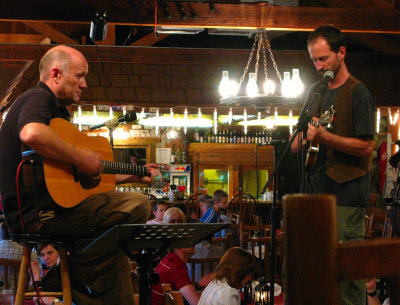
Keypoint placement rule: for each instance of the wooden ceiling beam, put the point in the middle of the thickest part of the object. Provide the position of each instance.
(47, 30)
(21, 38)
(271, 17)
(113, 54)
(382, 43)
(149, 40)
(380, 4)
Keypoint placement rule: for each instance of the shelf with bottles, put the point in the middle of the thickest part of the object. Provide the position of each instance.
(233, 136)
(179, 155)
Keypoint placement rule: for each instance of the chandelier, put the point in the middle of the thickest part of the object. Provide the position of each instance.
(291, 87)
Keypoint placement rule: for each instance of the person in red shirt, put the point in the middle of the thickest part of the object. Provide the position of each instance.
(172, 268)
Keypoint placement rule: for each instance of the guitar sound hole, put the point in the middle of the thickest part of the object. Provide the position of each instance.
(88, 182)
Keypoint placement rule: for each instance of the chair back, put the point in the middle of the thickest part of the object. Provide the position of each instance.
(316, 262)
(10, 271)
(172, 297)
(243, 204)
(223, 242)
(192, 208)
(207, 266)
(251, 237)
(387, 228)
(369, 225)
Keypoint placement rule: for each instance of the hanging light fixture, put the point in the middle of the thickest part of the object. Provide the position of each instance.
(291, 87)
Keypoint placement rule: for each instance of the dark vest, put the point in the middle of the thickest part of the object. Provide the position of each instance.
(342, 167)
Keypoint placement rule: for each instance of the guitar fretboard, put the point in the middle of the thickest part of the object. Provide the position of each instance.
(110, 167)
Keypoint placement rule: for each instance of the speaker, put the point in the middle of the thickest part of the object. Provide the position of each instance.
(98, 27)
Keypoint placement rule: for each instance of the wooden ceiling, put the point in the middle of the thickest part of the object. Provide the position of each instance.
(54, 19)
(26, 27)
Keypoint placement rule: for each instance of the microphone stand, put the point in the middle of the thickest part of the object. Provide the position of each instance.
(110, 132)
(302, 123)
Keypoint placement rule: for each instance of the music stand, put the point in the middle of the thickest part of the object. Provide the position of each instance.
(150, 242)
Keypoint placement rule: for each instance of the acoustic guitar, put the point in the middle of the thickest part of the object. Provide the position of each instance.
(66, 185)
(326, 119)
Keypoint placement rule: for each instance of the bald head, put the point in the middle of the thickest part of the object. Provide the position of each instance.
(57, 57)
(63, 69)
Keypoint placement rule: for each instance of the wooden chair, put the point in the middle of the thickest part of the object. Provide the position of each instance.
(151, 197)
(243, 204)
(234, 227)
(251, 237)
(387, 228)
(29, 241)
(223, 242)
(369, 225)
(11, 269)
(207, 266)
(316, 262)
(192, 208)
(172, 297)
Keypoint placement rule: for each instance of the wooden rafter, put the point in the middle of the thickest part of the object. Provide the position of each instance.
(20, 83)
(149, 40)
(380, 4)
(377, 42)
(47, 30)
(18, 52)
(22, 80)
(272, 17)
(21, 38)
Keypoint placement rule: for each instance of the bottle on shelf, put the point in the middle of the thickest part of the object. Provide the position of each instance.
(196, 135)
(201, 136)
(243, 138)
(173, 155)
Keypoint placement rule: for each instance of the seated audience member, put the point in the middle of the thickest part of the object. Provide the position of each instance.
(158, 210)
(204, 202)
(213, 214)
(50, 279)
(172, 268)
(204, 249)
(10, 250)
(231, 274)
(220, 204)
(372, 296)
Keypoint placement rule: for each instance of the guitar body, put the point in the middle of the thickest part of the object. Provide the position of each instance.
(65, 185)
(326, 119)
(311, 159)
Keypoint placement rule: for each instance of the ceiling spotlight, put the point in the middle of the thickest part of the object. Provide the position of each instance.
(98, 27)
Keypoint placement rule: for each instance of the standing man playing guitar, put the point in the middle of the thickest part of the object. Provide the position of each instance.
(344, 159)
(62, 80)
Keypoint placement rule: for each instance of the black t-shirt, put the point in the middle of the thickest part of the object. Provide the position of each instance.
(38, 105)
(355, 192)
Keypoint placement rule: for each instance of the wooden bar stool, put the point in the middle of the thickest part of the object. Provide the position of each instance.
(29, 241)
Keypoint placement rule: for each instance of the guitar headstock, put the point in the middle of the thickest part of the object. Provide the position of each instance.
(328, 117)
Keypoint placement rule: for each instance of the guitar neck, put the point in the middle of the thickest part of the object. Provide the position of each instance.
(110, 167)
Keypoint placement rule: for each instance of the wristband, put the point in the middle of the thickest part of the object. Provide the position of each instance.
(371, 294)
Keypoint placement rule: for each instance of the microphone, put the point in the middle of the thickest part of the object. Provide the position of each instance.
(328, 76)
(128, 117)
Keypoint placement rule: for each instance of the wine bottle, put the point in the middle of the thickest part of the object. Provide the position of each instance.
(173, 155)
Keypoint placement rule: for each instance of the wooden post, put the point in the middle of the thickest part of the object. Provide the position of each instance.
(310, 247)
